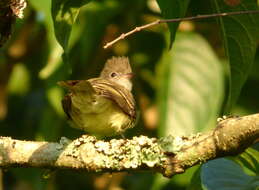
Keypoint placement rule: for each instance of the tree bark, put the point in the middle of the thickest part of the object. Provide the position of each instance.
(169, 155)
(9, 11)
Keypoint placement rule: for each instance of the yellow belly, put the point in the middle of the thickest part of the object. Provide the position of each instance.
(102, 118)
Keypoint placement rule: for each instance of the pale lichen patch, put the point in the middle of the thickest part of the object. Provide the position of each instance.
(119, 154)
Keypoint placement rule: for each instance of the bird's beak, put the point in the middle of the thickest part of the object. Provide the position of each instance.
(128, 75)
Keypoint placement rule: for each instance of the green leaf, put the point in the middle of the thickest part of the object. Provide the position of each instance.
(87, 36)
(15, 84)
(173, 9)
(196, 180)
(159, 182)
(224, 174)
(240, 35)
(64, 14)
(190, 86)
(180, 180)
(43, 10)
(249, 160)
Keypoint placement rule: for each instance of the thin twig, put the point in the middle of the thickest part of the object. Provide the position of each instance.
(198, 17)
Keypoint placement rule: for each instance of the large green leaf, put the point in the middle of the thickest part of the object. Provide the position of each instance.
(173, 9)
(195, 183)
(87, 36)
(64, 13)
(240, 36)
(249, 160)
(225, 174)
(43, 10)
(190, 90)
(232, 172)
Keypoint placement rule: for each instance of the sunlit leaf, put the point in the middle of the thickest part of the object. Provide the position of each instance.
(64, 13)
(173, 9)
(43, 9)
(240, 35)
(224, 174)
(190, 90)
(16, 85)
(54, 95)
(249, 160)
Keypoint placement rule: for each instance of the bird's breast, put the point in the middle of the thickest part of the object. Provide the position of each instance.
(101, 117)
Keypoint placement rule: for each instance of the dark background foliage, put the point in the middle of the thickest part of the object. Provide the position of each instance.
(211, 69)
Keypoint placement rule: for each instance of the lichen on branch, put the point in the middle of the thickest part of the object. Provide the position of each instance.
(168, 156)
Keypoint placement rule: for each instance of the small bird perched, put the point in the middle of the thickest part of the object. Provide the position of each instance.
(102, 106)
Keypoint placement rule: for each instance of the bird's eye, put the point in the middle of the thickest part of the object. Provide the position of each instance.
(113, 75)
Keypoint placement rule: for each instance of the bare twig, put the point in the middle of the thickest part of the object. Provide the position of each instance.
(198, 17)
(169, 155)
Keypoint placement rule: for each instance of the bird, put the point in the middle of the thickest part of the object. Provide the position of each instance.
(102, 106)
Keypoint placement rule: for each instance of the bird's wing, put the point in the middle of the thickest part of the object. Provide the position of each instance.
(118, 94)
(82, 89)
(66, 104)
(77, 86)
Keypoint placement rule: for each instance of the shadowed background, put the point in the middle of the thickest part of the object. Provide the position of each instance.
(178, 91)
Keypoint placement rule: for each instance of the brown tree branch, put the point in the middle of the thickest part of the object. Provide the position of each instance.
(169, 155)
(9, 11)
(198, 17)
